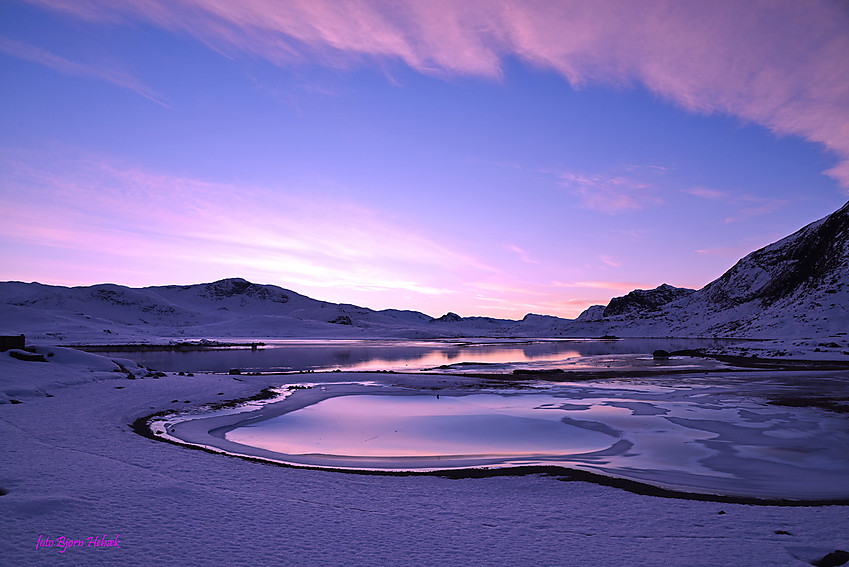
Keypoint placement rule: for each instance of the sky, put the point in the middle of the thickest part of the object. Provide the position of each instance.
(486, 157)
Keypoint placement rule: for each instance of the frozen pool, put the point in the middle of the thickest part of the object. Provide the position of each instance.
(700, 439)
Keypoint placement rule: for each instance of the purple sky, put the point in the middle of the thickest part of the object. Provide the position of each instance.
(485, 157)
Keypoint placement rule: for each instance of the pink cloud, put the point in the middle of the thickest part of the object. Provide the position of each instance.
(44, 57)
(610, 285)
(780, 64)
(609, 193)
(765, 207)
(523, 256)
(101, 211)
(706, 193)
(746, 206)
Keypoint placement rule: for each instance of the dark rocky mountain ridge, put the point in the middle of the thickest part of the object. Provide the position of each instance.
(798, 285)
(642, 300)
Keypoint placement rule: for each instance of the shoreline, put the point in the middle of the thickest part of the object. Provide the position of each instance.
(208, 434)
(75, 468)
(144, 347)
(563, 474)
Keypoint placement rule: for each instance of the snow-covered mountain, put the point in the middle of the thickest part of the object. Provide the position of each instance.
(641, 301)
(226, 308)
(796, 287)
(799, 285)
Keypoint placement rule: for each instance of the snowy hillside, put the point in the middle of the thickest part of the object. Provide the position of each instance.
(231, 307)
(227, 308)
(797, 287)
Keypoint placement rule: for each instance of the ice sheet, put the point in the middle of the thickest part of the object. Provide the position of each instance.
(695, 439)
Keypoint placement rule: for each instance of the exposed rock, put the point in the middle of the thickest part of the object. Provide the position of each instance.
(223, 288)
(641, 300)
(342, 320)
(833, 559)
(232, 287)
(26, 356)
(811, 258)
(799, 284)
(448, 318)
(660, 354)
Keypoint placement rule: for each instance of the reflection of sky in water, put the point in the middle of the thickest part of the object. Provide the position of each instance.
(408, 355)
(421, 426)
(686, 439)
(490, 355)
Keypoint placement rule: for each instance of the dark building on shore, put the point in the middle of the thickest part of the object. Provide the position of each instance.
(11, 341)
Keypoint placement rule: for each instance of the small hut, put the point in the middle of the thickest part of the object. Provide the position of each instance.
(12, 341)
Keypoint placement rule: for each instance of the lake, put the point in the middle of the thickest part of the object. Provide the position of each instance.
(484, 355)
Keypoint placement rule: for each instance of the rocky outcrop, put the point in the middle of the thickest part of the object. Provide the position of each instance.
(796, 286)
(641, 301)
(232, 287)
(449, 317)
(813, 259)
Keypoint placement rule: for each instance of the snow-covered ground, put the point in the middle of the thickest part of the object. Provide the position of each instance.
(72, 468)
(832, 348)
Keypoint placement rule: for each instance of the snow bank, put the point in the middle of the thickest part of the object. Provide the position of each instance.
(73, 468)
(62, 367)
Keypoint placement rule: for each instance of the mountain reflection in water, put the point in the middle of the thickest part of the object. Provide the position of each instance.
(290, 355)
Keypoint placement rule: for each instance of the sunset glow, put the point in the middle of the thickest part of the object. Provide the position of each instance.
(486, 158)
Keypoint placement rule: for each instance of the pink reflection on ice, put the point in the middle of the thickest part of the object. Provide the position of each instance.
(386, 426)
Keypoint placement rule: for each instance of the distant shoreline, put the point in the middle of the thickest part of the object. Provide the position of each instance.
(141, 347)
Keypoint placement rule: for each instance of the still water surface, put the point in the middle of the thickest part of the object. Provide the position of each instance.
(504, 355)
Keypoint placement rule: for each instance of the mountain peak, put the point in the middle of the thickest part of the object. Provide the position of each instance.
(645, 300)
(814, 257)
(449, 317)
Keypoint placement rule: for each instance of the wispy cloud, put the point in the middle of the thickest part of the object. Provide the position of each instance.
(516, 299)
(765, 207)
(104, 209)
(610, 261)
(706, 193)
(622, 188)
(41, 56)
(608, 285)
(746, 206)
(523, 256)
(780, 64)
(609, 193)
